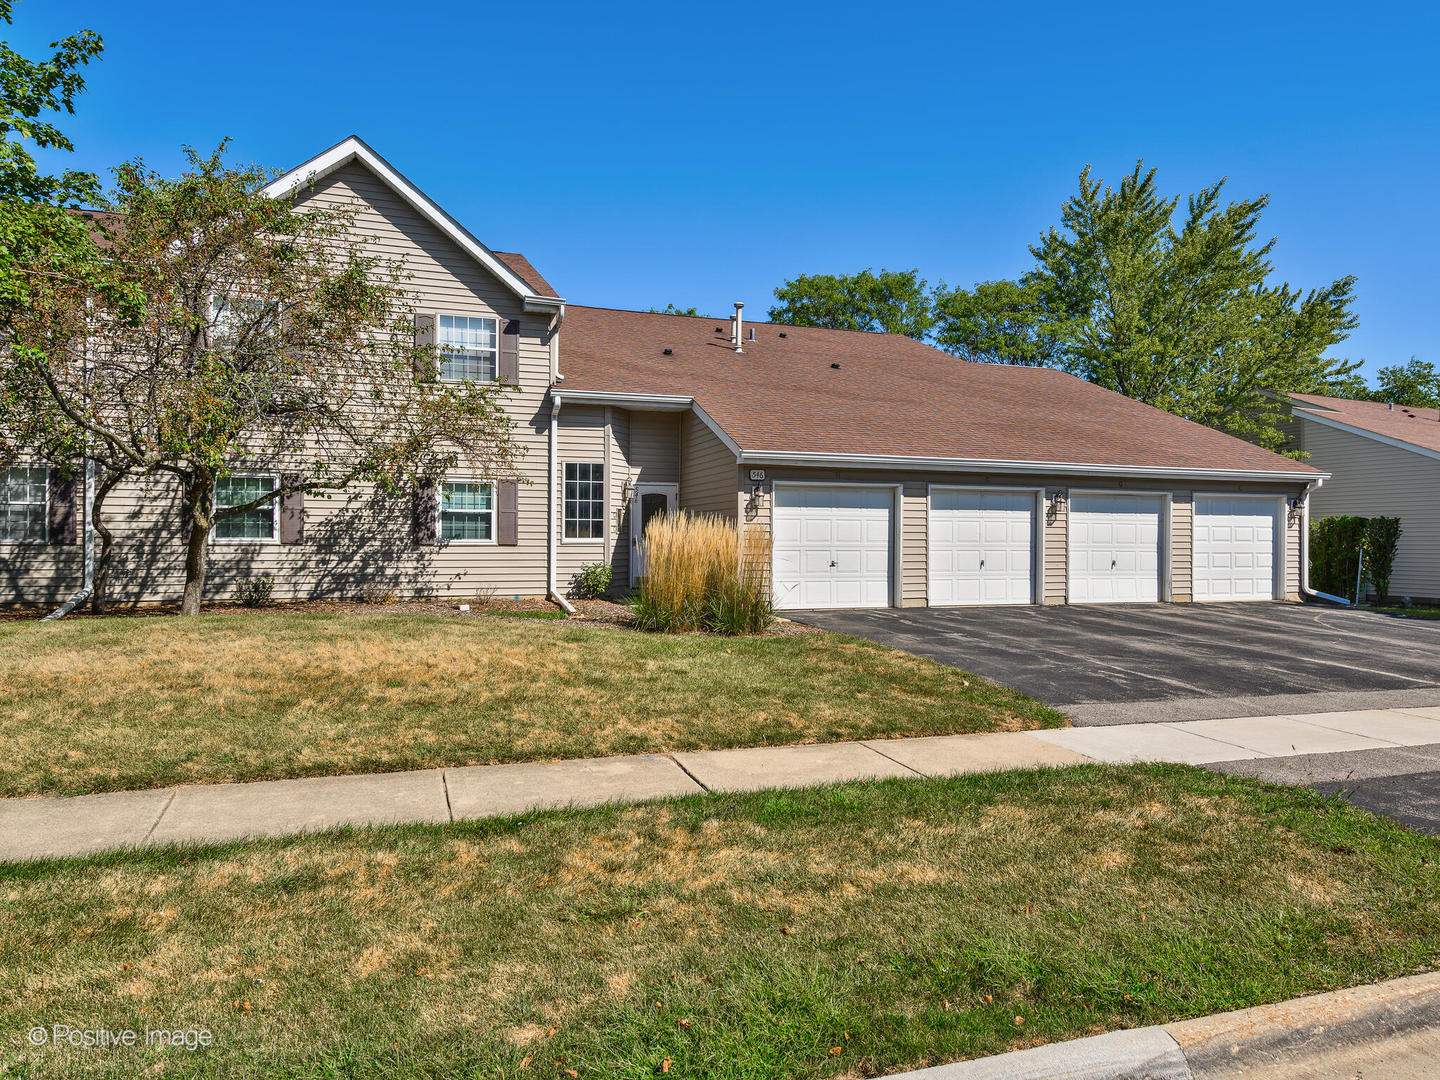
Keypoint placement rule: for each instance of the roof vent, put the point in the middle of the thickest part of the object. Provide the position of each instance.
(737, 327)
(835, 366)
(751, 334)
(783, 334)
(669, 352)
(1390, 406)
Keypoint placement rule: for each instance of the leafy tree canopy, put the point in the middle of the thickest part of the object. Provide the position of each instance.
(671, 309)
(997, 322)
(1415, 383)
(891, 301)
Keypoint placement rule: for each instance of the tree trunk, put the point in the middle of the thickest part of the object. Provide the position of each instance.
(98, 600)
(201, 521)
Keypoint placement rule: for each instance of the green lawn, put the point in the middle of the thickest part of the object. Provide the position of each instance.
(109, 704)
(845, 931)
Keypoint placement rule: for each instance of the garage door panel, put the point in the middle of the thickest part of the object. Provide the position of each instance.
(833, 546)
(1236, 538)
(1114, 554)
(981, 547)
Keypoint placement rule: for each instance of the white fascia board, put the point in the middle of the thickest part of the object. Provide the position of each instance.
(982, 465)
(354, 149)
(1388, 440)
(663, 402)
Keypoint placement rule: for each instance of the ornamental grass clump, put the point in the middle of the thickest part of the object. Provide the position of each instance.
(700, 574)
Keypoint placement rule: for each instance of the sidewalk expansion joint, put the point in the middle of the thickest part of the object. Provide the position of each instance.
(156, 823)
(902, 764)
(445, 787)
(681, 766)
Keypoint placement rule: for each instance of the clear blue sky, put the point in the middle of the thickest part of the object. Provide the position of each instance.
(699, 154)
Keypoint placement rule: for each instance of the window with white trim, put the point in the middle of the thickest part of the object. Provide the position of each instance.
(259, 523)
(584, 501)
(22, 504)
(467, 511)
(468, 348)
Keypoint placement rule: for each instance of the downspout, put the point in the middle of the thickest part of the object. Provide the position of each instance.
(88, 585)
(1305, 589)
(552, 592)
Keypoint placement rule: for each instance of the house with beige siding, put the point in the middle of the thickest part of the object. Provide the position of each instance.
(1385, 461)
(887, 473)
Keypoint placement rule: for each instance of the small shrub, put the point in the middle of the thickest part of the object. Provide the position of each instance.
(592, 581)
(376, 592)
(1382, 537)
(485, 594)
(255, 591)
(699, 575)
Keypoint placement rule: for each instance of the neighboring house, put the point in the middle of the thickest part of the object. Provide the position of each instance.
(888, 473)
(1386, 461)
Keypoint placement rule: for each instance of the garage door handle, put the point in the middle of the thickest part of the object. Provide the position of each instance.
(982, 564)
(833, 563)
(1112, 564)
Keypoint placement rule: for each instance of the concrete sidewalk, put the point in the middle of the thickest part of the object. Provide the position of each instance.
(1389, 1030)
(49, 827)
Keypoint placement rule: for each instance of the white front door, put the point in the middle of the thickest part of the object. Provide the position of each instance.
(981, 547)
(1236, 538)
(832, 546)
(1115, 555)
(647, 502)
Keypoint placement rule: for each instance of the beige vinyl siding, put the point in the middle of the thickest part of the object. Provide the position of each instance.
(914, 543)
(581, 439)
(1371, 478)
(1292, 554)
(360, 536)
(1182, 546)
(616, 483)
(1057, 525)
(655, 447)
(707, 470)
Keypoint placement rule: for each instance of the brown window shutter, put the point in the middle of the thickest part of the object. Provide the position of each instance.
(292, 511)
(63, 493)
(509, 369)
(425, 339)
(427, 513)
(507, 513)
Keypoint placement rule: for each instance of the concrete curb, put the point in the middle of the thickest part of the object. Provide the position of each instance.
(1376, 1024)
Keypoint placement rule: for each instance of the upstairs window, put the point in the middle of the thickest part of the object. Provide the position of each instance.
(467, 511)
(22, 504)
(467, 348)
(258, 524)
(584, 501)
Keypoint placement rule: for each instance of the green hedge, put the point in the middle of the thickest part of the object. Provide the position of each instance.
(1335, 547)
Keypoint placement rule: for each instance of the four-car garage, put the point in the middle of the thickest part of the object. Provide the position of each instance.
(842, 545)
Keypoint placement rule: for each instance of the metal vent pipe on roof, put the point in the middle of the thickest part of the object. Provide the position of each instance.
(737, 327)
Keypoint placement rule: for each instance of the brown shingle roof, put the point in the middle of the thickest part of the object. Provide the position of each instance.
(521, 268)
(1414, 425)
(890, 396)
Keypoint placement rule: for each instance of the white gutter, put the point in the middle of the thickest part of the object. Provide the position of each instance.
(873, 461)
(634, 401)
(1305, 589)
(551, 590)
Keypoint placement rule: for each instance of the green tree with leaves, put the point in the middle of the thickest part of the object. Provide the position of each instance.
(671, 309)
(996, 322)
(250, 334)
(891, 301)
(1173, 305)
(1415, 383)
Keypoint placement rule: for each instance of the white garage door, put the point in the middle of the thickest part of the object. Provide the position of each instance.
(1115, 548)
(981, 547)
(832, 546)
(1235, 545)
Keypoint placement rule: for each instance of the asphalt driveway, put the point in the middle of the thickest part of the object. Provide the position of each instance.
(1151, 662)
